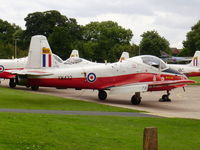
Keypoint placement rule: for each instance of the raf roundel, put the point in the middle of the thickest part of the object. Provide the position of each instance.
(91, 77)
(1, 68)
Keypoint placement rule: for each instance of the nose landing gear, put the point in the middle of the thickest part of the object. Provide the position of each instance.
(165, 98)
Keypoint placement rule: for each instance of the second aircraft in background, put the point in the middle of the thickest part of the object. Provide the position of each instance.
(192, 69)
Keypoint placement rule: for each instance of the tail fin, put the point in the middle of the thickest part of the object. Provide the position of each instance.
(74, 53)
(195, 60)
(124, 56)
(40, 54)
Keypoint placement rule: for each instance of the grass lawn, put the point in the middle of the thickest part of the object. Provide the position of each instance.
(12, 98)
(62, 132)
(197, 79)
(20, 131)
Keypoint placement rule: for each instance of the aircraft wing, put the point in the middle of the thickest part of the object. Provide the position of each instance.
(30, 72)
(149, 86)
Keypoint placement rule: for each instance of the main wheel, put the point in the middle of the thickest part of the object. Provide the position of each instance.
(102, 95)
(12, 83)
(135, 100)
(34, 88)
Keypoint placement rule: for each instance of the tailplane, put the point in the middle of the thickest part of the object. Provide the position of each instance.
(195, 60)
(124, 56)
(40, 54)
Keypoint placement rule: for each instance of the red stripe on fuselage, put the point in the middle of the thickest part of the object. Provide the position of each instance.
(14, 69)
(8, 75)
(102, 82)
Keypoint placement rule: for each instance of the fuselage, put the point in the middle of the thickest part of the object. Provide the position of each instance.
(103, 76)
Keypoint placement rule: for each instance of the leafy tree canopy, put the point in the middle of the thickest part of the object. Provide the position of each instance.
(63, 40)
(7, 31)
(43, 23)
(8, 34)
(103, 37)
(60, 30)
(152, 43)
(192, 42)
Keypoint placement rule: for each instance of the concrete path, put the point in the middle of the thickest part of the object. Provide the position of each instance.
(90, 113)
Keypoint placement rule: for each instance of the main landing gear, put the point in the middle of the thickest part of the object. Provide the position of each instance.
(12, 83)
(165, 98)
(136, 99)
(102, 95)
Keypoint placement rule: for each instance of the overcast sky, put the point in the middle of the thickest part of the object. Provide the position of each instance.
(171, 18)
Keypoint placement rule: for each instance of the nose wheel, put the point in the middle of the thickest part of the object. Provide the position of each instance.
(102, 95)
(165, 98)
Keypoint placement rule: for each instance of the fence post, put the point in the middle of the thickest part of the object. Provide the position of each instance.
(150, 139)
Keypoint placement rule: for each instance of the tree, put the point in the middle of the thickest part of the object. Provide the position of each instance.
(100, 38)
(7, 31)
(43, 22)
(192, 42)
(62, 32)
(63, 40)
(117, 50)
(7, 37)
(6, 50)
(152, 43)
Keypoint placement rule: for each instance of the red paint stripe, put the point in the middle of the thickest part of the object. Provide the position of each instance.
(6, 75)
(14, 69)
(50, 60)
(104, 82)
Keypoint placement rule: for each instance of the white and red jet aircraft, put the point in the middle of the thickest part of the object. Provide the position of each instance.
(132, 75)
(192, 69)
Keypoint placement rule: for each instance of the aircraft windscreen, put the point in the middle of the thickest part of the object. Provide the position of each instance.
(154, 61)
(58, 59)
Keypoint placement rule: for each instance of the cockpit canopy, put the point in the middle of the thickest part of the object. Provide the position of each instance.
(73, 60)
(154, 61)
(157, 63)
